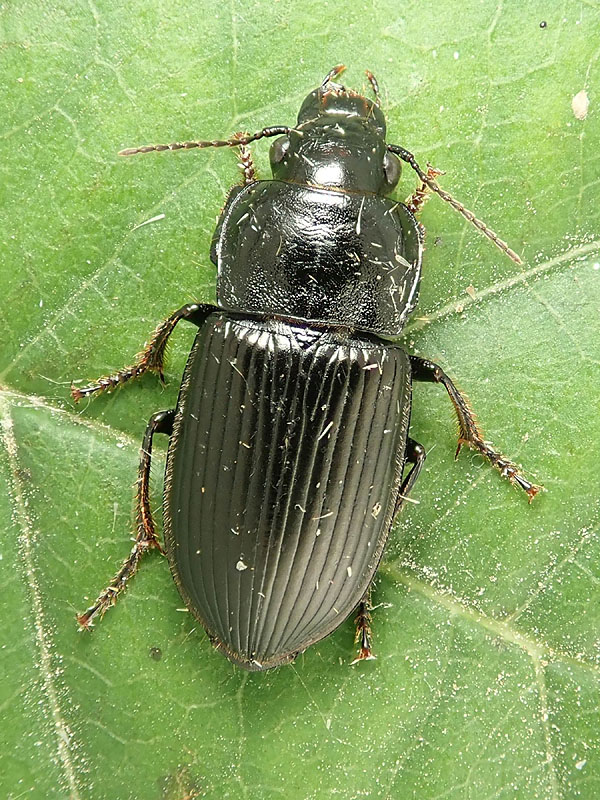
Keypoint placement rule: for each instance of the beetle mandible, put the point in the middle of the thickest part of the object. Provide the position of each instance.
(289, 454)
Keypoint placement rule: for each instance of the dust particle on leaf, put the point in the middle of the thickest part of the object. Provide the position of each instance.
(580, 104)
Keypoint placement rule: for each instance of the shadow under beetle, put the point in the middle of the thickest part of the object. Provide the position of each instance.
(289, 443)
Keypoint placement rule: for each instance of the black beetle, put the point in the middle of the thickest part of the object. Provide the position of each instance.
(290, 437)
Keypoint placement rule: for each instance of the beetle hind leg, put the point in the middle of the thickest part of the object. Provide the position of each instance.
(470, 433)
(415, 455)
(146, 538)
(364, 635)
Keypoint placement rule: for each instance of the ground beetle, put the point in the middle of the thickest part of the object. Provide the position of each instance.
(288, 446)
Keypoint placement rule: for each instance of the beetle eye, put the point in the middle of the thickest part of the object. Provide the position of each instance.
(391, 170)
(278, 149)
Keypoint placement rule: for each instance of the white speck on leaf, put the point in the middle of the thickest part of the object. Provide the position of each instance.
(580, 104)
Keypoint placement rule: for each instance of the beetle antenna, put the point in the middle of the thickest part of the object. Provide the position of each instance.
(374, 86)
(435, 187)
(234, 141)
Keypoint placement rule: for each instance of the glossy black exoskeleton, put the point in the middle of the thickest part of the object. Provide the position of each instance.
(289, 452)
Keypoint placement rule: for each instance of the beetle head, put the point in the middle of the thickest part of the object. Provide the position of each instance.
(338, 143)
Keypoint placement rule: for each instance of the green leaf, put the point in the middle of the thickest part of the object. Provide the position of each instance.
(487, 678)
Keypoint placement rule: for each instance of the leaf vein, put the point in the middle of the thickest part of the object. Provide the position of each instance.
(64, 743)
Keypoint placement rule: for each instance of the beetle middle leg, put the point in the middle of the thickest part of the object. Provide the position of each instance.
(469, 431)
(414, 454)
(146, 538)
(151, 359)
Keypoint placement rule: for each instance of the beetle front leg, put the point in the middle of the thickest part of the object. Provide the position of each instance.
(246, 161)
(152, 357)
(146, 538)
(422, 193)
(469, 431)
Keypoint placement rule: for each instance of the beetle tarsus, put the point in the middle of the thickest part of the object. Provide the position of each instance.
(108, 597)
(108, 382)
(505, 467)
(364, 633)
(364, 654)
(85, 619)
